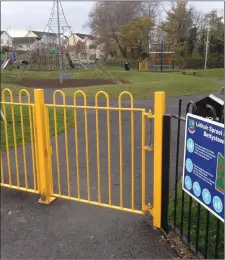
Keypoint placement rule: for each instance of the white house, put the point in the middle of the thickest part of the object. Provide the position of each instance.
(47, 37)
(93, 50)
(6, 39)
(23, 43)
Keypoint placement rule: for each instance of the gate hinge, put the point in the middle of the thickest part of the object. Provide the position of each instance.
(148, 209)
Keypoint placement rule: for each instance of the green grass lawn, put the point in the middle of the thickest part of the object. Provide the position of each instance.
(141, 84)
(7, 125)
(202, 224)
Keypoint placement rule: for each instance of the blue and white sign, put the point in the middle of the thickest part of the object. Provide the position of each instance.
(203, 168)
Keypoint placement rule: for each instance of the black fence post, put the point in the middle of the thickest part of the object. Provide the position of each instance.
(165, 171)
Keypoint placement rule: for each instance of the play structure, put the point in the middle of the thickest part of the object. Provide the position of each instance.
(161, 58)
(55, 50)
(7, 59)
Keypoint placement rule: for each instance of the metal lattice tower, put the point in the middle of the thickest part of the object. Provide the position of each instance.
(58, 19)
(58, 24)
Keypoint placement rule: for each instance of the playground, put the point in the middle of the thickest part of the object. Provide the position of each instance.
(140, 84)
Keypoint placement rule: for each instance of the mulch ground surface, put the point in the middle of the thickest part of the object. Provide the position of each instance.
(67, 83)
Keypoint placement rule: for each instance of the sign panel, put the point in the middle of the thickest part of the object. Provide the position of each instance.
(203, 168)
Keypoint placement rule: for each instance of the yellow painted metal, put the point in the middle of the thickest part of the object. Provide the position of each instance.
(139, 212)
(23, 141)
(143, 66)
(43, 150)
(19, 188)
(2, 171)
(108, 109)
(6, 131)
(49, 149)
(143, 161)
(159, 110)
(17, 129)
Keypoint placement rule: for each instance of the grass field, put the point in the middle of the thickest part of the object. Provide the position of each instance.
(202, 225)
(17, 123)
(141, 84)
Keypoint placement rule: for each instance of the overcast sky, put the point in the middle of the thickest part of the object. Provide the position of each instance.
(20, 16)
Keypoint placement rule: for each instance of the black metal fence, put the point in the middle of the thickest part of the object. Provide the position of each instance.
(199, 229)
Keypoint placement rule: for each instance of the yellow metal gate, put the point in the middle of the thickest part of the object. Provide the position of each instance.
(63, 165)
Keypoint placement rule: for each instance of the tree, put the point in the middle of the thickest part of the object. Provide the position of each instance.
(106, 19)
(216, 36)
(134, 36)
(180, 30)
(178, 22)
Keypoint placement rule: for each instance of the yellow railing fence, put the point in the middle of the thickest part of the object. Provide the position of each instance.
(97, 153)
(18, 161)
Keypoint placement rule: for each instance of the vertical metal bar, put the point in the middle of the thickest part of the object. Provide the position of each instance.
(189, 219)
(49, 149)
(109, 156)
(177, 163)
(15, 146)
(217, 238)
(197, 227)
(207, 234)
(59, 41)
(7, 145)
(77, 148)
(98, 153)
(66, 146)
(143, 160)
(159, 111)
(87, 152)
(23, 142)
(121, 157)
(32, 133)
(165, 170)
(132, 160)
(57, 149)
(2, 173)
(36, 148)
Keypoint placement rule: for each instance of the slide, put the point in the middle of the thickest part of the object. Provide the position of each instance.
(70, 60)
(5, 63)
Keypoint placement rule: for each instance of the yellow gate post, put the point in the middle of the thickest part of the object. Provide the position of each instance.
(159, 111)
(44, 172)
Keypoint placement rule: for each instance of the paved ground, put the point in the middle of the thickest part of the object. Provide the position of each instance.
(72, 230)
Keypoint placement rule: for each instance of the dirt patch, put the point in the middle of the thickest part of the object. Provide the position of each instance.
(67, 83)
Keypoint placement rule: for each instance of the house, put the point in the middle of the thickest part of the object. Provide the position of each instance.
(6, 39)
(47, 37)
(23, 43)
(40, 34)
(93, 50)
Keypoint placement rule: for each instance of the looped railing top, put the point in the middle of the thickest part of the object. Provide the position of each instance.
(27, 94)
(21, 94)
(103, 93)
(194, 107)
(63, 95)
(10, 94)
(131, 98)
(75, 97)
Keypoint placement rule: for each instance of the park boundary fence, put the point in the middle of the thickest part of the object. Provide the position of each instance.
(197, 227)
(29, 168)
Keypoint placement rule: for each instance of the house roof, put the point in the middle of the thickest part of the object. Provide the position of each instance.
(82, 36)
(41, 34)
(23, 40)
(5, 32)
